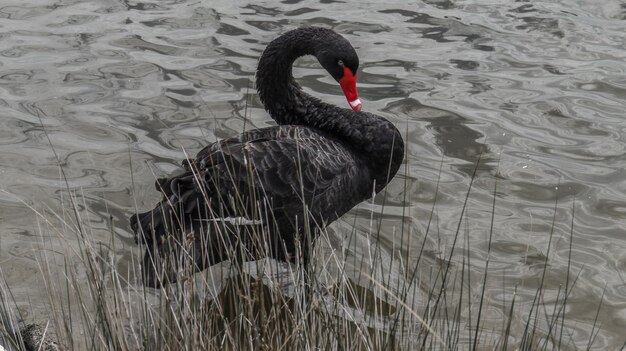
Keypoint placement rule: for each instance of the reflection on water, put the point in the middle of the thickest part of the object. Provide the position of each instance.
(536, 90)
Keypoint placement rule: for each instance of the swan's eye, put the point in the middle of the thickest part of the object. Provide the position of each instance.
(340, 63)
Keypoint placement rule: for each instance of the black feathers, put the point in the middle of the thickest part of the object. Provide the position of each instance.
(269, 186)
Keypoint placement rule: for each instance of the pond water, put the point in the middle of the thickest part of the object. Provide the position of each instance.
(92, 90)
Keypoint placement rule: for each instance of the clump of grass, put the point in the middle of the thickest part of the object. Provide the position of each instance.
(378, 300)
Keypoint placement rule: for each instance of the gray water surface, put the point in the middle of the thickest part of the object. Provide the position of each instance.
(536, 90)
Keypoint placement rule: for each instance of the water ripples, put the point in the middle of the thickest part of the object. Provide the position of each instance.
(535, 91)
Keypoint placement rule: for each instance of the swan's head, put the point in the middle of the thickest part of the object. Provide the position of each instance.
(339, 58)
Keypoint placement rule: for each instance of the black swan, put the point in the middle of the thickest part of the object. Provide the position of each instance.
(273, 188)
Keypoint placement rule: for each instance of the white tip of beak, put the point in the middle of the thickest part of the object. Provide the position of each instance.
(356, 104)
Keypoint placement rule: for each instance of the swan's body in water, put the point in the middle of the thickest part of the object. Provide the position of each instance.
(275, 187)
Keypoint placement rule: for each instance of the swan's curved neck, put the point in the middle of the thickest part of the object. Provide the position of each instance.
(372, 136)
(280, 94)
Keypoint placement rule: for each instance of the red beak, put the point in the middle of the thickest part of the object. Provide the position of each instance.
(348, 85)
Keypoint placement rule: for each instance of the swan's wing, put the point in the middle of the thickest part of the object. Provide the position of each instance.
(186, 193)
(288, 166)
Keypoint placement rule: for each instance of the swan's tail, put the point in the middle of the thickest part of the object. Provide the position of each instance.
(177, 247)
(165, 230)
(150, 231)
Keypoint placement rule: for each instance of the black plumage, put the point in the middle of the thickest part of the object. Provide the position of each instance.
(267, 190)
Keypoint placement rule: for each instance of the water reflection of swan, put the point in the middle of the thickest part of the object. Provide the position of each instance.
(289, 180)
